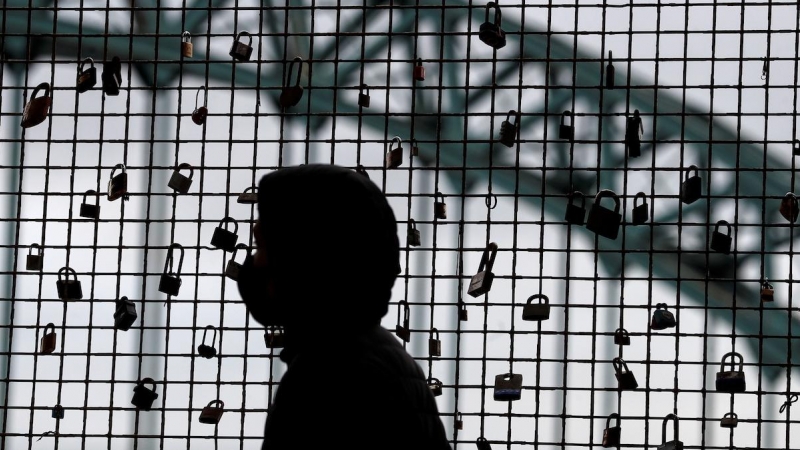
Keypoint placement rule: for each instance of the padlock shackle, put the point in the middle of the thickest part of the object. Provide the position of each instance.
(498, 17)
(543, 299)
(579, 193)
(67, 270)
(245, 33)
(364, 87)
(92, 192)
(406, 310)
(661, 306)
(251, 188)
(213, 339)
(610, 56)
(216, 402)
(168, 260)
(640, 195)
(83, 62)
(299, 71)
(608, 193)
(412, 224)
(122, 301)
(619, 364)
(621, 332)
(186, 37)
(37, 247)
(226, 220)
(564, 116)
(490, 200)
(487, 259)
(612, 416)
(398, 140)
(437, 195)
(185, 166)
(236, 249)
(669, 417)
(45, 86)
(734, 356)
(146, 381)
(515, 114)
(197, 95)
(51, 326)
(731, 415)
(767, 285)
(689, 171)
(434, 332)
(727, 225)
(114, 169)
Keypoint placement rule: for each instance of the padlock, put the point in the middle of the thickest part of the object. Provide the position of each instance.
(223, 238)
(363, 98)
(249, 196)
(575, 214)
(537, 311)
(403, 331)
(200, 112)
(37, 108)
(481, 282)
(634, 131)
(414, 148)
(483, 444)
(508, 387)
(611, 434)
(239, 50)
(273, 337)
(212, 413)
(767, 291)
(361, 170)
(57, 412)
(86, 78)
(458, 422)
(419, 71)
(662, 319)
(566, 131)
(729, 420)
(47, 344)
(508, 129)
(34, 262)
(691, 188)
(462, 312)
(412, 234)
(112, 76)
(125, 314)
(233, 268)
(170, 283)
(621, 337)
(796, 148)
(143, 397)
(490, 201)
(68, 289)
(88, 210)
(291, 95)
(731, 380)
(674, 444)
(439, 207)
(434, 344)
(187, 49)
(789, 208)
(179, 182)
(603, 221)
(435, 386)
(118, 184)
(625, 379)
(394, 156)
(208, 351)
(491, 33)
(641, 212)
(609, 73)
(721, 242)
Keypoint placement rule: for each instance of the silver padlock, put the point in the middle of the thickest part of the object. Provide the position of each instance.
(179, 182)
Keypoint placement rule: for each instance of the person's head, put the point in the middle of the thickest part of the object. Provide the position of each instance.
(327, 248)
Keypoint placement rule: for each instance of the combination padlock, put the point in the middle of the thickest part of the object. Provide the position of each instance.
(291, 95)
(611, 435)
(363, 96)
(508, 387)
(641, 211)
(233, 268)
(481, 282)
(491, 33)
(767, 291)
(412, 234)
(604, 221)
(731, 380)
(47, 344)
(68, 289)
(625, 379)
(208, 351)
(86, 78)
(435, 386)
(575, 214)
(34, 262)
(483, 444)
(721, 242)
(88, 210)
(566, 130)
(419, 71)
(691, 187)
(112, 76)
(170, 283)
(509, 129)
(610, 72)
(729, 420)
(249, 196)
(434, 344)
(37, 108)
(143, 397)
(118, 184)
(223, 238)
(200, 112)
(179, 182)
(622, 337)
(439, 207)
(536, 311)
(239, 50)
(212, 412)
(273, 337)
(634, 131)
(403, 331)
(125, 314)
(662, 318)
(394, 156)
(674, 444)
(57, 412)
(187, 49)
(789, 208)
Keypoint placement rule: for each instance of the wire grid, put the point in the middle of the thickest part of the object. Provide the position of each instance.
(674, 62)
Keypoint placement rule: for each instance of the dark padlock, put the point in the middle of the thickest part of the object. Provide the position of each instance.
(796, 148)
(575, 214)
(233, 268)
(273, 337)
(212, 412)
(621, 337)
(200, 112)
(610, 72)
(625, 379)
(170, 283)
(363, 97)
(507, 387)
(634, 131)
(731, 380)
(112, 76)
(566, 131)
(68, 289)
(57, 412)
(463, 315)
(691, 187)
(435, 386)
(118, 184)
(483, 444)
(434, 343)
(239, 50)
(721, 242)
(249, 196)
(208, 351)
(37, 108)
(143, 397)
(537, 311)
(439, 207)
(412, 234)
(458, 422)
(481, 282)
(187, 49)
(789, 208)
(662, 319)
(674, 444)
(291, 95)
(125, 314)
(611, 435)
(47, 344)
(509, 129)
(223, 238)
(729, 420)
(414, 148)
(767, 291)
(641, 211)
(179, 182)
(88, 210)
(491, 33)
(419, 71)
(604, 221)
(403, 331)
(394, 156)
(86, 78)
(34, 262)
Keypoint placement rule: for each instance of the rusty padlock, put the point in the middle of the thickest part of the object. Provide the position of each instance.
(200, 112)
(37, 108)
(767, 291)
(86, 78)
(394, 156)
(439, 207)
(187, 49)
(419, 71)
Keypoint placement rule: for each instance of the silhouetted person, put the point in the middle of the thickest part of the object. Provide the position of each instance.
(327, 257)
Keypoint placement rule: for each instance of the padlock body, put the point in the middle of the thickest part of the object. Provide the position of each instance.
(33, 262)
(241, 51)
(789, 208)
(90, 211)
(480, 283)
(232, 270)
(86, 80)
(273, 339)
(729, 422)
(463, 315)
(413, 238)
(69, 289)
(403, 332)
(566, 132)
(603, 221)
(47, 344)
(211, 415)
(394, 158)
(610, 75)
(57, 412)
(767, 294)
(575, 214)
(419, 73)
(125, 316)
(691, 189)
(507, 388)
(117, 186)
(436, 389)
(492, 35)
(363, 100)
(662, 319)
(626, 381)
(434, 347)
(206, 351)
(35, 111)
(169, 284)
(111, 83)
(199, 115)
(290, 96)
(671, 445)
(640, 214)
(458, 424)
(536, 312)
(180, 183)
(611, 437)
(508, 133)
(440, 210)
(621, 339)
(721, 242)
(633, 140)
(143, 397)
(224, 239)
(247, 198)
(187, 49)
(483, 444)
(731, 381)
